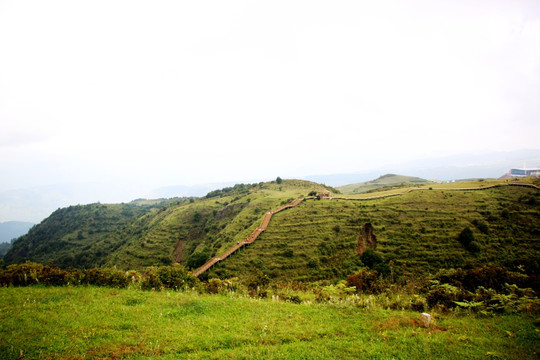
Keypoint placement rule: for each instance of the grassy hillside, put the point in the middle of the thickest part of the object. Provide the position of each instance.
(80, 236)
(192, 232)
(387, 181)
(145, 232)
(417, 232)
(317, 240)
(106, 323)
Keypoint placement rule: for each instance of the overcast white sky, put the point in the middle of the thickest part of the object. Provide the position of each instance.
(182, 92)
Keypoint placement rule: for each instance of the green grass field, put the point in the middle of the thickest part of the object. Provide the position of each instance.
(385, 181)
(317, 240)
(106, 323)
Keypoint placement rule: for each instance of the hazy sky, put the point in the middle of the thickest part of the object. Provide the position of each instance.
(182, 92)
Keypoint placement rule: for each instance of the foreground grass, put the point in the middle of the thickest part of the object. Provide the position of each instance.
(89, 323)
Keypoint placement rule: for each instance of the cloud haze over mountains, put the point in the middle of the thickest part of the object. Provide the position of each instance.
(146, 94)
(34, 204)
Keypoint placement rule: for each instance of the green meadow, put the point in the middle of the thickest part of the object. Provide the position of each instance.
(40, 322)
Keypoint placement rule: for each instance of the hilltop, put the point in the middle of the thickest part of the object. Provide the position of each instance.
(387, 181)
(415, 232)
(154, 232)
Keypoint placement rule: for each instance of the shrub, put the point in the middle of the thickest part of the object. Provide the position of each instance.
(482, 226)
(466, 237)
(371, 259)
(171, 277)
(445, 296)
(54, 276)
(313, 263)
(288, 253)
(150, 279)
(488, 276)
(105, 277)
(365, 281)
(21, 274)
(197, 259)
(175, 277)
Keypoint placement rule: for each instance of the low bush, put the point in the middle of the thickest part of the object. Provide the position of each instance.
(171, 277)
(366, 281)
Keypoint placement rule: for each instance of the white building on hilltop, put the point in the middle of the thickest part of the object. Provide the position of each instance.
(525, 172)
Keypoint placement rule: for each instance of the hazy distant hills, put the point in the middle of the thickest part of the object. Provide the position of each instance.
(35, 204)
(385, 181)
(465, 166)
(13, 229)
(10, 230)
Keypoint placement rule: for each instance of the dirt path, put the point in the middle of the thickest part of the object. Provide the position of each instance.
(432, 188)
(268, 216)
(264, 224)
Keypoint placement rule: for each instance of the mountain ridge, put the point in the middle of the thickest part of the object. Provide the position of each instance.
(312, 241)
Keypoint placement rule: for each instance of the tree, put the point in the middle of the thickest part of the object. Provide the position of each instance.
(279, 180)
(197, 259)
(466, 237)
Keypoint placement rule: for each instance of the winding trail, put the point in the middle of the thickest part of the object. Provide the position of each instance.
(264, 224)
(432, 188)
(268, 216)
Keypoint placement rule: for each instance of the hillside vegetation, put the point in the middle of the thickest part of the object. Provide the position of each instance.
(388, 181)
(79, 236)
(417, 232)
(144, 233)
(106, 323)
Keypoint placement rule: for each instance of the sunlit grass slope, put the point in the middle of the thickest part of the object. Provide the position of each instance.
(105, 323)
(384, 181)
(418, 231)
(206, 226)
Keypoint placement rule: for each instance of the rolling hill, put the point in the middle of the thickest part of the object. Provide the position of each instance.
(414, 232)
(146, 233)
(387, 181)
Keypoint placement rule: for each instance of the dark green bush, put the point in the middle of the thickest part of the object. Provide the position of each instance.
(366, 281)
(371, 259)
(466, 237)
(482, 226)
(150, 279)
(197, 259)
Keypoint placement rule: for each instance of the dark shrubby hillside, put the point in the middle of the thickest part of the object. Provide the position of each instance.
(79, 236)
(147, 233)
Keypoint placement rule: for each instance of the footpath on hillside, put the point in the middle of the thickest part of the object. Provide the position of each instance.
(268, 216)
(264, 224)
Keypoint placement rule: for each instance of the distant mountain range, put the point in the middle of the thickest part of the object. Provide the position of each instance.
(388, 180)
(10, 230)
